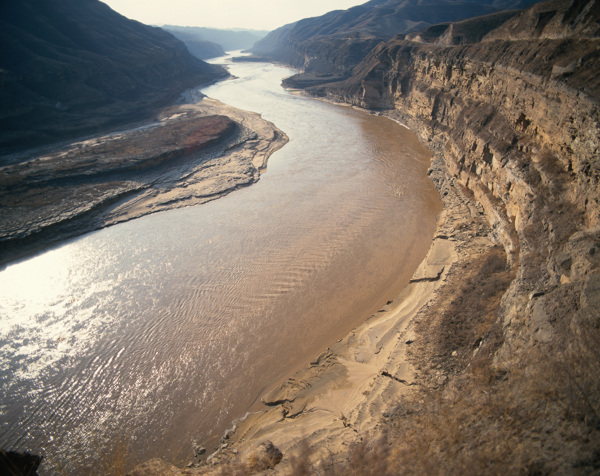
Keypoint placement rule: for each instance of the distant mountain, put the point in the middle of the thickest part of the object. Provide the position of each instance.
(201, 49)
(73, 67)
(230, 40)
(329, 46)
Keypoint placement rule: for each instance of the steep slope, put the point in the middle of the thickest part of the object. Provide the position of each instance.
(463, 32)
(329, 46)
(71, 67)
(487, 362)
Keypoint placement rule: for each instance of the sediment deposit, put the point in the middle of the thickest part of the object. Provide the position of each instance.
(191, 154)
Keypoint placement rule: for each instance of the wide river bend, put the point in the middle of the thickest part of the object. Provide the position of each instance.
(153, 335)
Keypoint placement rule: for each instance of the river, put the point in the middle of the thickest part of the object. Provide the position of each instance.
(151, 336)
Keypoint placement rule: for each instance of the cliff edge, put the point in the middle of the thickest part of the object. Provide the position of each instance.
(512, 113)
(328, 47)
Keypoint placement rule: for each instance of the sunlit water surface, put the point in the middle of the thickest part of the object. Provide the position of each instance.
(153, 335)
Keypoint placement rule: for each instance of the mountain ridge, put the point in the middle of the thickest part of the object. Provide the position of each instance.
(228, 39)
(69, 68)
(313, 44)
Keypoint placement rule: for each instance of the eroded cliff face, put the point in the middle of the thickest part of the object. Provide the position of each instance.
(517, 123)
(516, 119)
(496, 370)
(328, 47)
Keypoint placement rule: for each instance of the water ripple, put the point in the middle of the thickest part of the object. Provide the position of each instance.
(160, 331)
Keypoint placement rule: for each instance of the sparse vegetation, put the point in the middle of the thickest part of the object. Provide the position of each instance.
(539, 417)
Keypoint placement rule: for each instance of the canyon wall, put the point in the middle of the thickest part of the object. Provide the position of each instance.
(497, 370)
(515, 117)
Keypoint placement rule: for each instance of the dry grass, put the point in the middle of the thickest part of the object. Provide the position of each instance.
(539, 416)
(264, 458)
(465, 319)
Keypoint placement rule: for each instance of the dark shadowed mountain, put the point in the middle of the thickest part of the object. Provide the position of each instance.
(73, 67)
(230, 40)
(329, 46)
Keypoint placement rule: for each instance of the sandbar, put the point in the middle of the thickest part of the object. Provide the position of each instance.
(188, 155)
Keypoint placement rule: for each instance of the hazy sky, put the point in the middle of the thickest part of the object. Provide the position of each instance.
(252, 14)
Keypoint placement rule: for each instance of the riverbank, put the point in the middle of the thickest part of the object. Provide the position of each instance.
(191, 154)
(347, 394)
(505, 352)
(425, 382)
(496, 371)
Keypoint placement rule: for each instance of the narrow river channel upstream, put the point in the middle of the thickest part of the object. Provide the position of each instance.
(154, 335)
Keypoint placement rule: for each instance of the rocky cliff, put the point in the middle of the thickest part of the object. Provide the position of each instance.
(515, 114)
(511, 109)
(74, 67)
(329, 46)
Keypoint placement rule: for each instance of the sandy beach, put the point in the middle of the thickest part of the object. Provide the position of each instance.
(345, 393)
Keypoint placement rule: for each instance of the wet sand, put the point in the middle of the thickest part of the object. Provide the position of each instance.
(347, 392)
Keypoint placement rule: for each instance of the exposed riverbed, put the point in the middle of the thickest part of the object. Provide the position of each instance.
(156, 333)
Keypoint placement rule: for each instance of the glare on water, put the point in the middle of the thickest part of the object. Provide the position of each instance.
(162, 330)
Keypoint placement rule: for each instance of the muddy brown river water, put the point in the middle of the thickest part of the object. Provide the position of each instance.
(155, 334)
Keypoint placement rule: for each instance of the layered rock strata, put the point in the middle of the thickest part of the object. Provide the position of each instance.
(487, 363)
(516, 121)
(328, 47)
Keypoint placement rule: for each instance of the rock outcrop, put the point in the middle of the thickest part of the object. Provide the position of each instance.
(487, 362)
(516, 119)
(75, 67)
